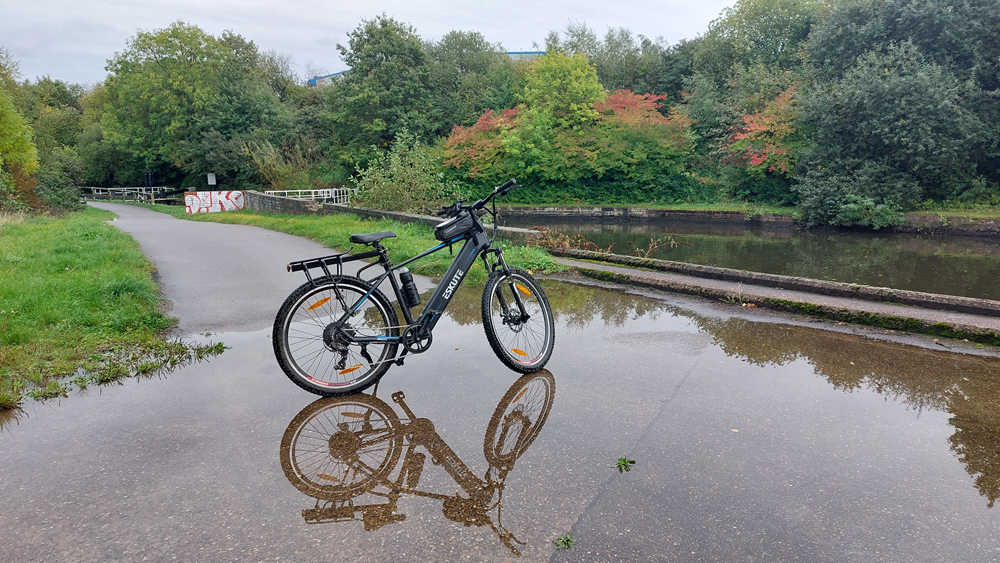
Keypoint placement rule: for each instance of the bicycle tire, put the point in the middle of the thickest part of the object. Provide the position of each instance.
(493, 445)
(511, 341)
(300, 375)
(315, 482)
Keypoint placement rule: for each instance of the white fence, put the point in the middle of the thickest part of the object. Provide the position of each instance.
(137, 193)
(330, 195)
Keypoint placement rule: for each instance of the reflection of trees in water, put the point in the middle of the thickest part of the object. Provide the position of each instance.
(975, 440)
(572, 304)
(964, 386)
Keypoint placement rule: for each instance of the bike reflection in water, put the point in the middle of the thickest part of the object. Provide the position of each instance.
(339, 448)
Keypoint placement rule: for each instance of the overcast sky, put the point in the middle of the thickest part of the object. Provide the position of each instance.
(72, 39)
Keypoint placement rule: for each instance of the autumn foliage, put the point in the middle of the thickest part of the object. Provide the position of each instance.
(622, 148)
(767, 141)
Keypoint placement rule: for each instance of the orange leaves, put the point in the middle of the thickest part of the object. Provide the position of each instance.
(479, 143)
(768, 140)
(630, 135)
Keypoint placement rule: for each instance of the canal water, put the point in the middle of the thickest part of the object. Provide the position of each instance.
(968, 266)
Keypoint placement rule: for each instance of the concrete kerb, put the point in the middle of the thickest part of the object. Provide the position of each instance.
(836, 289)
(890, 322)
(264, 202)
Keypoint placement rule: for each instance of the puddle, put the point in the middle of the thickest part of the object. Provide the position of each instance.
(751, 439)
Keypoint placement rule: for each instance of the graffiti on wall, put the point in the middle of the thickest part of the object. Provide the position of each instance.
(212, 202)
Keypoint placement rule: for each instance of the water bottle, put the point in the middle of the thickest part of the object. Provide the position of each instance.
(410, 295)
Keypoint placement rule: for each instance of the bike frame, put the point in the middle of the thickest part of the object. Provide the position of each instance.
(420, 432)
(476, 244)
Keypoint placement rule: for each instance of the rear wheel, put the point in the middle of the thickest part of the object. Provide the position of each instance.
(319, 354)
(523, 342)
(339, 447)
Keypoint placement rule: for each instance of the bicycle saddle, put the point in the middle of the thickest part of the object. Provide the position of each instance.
(368, 238)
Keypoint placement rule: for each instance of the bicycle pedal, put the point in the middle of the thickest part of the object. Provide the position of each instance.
(399, 362)
(398, 396)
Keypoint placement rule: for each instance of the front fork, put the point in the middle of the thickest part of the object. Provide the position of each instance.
(501, 264)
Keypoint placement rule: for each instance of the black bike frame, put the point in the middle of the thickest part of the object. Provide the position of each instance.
(475, 243)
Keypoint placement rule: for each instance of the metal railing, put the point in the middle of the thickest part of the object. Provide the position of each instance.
(340, 196)
(129, 193)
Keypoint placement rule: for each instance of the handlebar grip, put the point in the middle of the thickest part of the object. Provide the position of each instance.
(506, 186)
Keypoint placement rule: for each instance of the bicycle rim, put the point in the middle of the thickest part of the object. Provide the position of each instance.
(313, 359)
(519, 418)
(341, 449)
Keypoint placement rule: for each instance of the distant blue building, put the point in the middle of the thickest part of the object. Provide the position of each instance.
(524, 55)
(515, 56)
(324, 79)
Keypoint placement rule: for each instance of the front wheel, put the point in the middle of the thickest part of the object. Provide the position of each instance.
(518, 320)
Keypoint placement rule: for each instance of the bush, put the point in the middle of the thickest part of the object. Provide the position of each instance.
(901, 117)
(282, 170)
(9, 200)
(59, 178)
(629, 152)
(855, 194)
(864, 212)
(407, 177)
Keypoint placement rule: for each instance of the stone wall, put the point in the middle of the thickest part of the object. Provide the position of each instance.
(276, 204)
(914, 222)
(646, 214)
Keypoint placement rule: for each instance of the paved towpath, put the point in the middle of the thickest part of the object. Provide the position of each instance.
(218, 277)
(760, 294)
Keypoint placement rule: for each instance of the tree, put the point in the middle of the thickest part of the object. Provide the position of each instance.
(756, 31)
(18, 157)
(387, 89)
(467, 75)
(563, 87)
(571, 140)
(893, 131)
(8, 71)
(628, 62)
(174, 93)
(963, 38)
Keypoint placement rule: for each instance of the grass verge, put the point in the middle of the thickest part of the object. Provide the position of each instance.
(77, 298)
(972, 212)
(333, 231)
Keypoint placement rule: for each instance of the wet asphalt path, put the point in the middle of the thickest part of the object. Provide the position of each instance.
(758, 437)
(218, 277)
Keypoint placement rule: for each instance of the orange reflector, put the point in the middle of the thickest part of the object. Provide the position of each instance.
(350, 369)
(352, 414)
(522, 289)
(519, 351)
(519, 395)
(319, 303)
(327, 477)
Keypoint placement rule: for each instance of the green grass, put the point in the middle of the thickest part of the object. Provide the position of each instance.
(333, 231)
(75, 292)
(983, 212)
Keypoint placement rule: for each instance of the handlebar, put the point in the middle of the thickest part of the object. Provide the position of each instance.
(455, 208)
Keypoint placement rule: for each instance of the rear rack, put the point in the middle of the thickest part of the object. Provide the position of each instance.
(324, 262)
